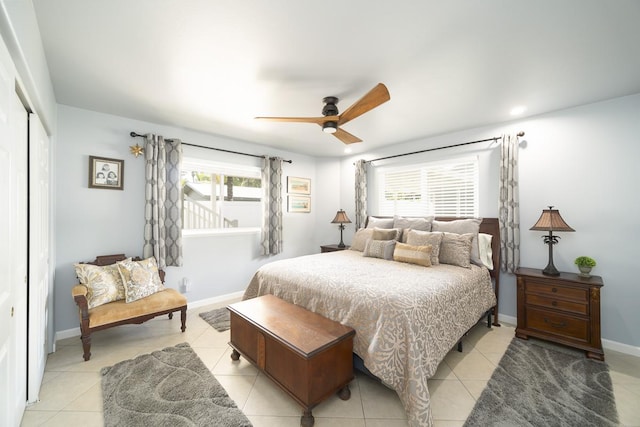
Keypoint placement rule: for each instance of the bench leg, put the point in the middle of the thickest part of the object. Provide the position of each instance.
(307, 420)
(183, 318)
(86, 346)
(170, 316)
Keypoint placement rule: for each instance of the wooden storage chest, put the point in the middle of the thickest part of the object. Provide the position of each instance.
(307, 355)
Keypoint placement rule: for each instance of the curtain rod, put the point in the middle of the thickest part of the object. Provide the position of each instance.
(495, 138)
(134, 135)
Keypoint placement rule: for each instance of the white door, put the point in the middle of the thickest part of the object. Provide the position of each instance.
(13, 244)
(38, 253)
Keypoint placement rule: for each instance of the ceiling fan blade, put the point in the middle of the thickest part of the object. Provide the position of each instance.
(376, 96)
(346, 137)
(318, 120)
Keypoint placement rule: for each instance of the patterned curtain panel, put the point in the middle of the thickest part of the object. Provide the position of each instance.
(271, 241)
(163, 201)
(509, 208)
(361, 193)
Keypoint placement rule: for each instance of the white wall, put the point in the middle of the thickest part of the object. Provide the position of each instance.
(93, 222)
(582, 160)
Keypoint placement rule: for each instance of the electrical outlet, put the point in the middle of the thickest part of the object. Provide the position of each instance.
(186, 284)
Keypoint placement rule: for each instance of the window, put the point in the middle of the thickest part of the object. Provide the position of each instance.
(220, 196)
(441, 189)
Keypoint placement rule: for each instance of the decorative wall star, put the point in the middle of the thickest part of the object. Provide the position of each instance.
(136, 150)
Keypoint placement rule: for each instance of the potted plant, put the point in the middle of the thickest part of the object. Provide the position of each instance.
(585, 264)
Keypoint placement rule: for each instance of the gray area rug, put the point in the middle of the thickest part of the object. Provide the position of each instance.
(538, 384)
(169, 387)
(218, 318)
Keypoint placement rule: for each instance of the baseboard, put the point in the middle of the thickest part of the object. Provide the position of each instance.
(503, 318)
(232, 297)
(621, 348)
(68, 333)
(606, 344)
(227, 298)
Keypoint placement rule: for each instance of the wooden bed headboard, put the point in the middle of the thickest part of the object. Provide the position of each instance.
(489, 226)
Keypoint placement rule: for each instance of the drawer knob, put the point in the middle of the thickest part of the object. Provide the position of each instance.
(554, 289)
(555, 324)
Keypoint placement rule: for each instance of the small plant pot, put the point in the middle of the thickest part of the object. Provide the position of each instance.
(584, 271)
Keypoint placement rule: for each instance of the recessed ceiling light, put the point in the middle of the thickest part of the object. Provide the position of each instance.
(347, 150)
(516, 111)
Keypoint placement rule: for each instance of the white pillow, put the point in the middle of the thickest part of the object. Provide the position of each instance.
(380, 249)
(486, 253)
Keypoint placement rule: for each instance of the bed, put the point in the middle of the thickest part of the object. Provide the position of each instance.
(407, 317)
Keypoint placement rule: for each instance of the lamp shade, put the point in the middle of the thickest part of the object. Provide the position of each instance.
(341, 218)
(550, 220)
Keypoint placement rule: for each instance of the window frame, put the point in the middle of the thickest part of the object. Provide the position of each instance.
(225, 169)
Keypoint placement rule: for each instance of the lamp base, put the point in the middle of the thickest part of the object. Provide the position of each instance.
(341, 244)
(550, 270)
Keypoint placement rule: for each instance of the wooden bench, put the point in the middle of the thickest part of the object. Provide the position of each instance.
(307, 355)
(118, 313)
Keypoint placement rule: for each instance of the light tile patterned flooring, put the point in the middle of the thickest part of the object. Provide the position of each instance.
(71, 391)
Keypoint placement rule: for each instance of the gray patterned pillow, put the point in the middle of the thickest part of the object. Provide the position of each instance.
(463, 226)
(379, 249)
(456, 249)
(103, 283)
(140, 278)
(424, 238)
(360, 239)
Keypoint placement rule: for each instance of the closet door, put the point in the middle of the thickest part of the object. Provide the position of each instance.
(38, 253)
(13, 246)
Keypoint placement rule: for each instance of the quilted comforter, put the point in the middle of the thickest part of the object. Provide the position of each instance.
(406, 317)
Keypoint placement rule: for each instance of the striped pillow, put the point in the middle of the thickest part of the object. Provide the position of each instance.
(420, 255)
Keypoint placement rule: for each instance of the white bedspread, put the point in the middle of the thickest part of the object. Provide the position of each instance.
(407, 317)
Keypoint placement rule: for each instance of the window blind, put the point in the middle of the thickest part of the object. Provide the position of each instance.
(441, 189)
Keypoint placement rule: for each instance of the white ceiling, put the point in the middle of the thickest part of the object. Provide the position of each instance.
(449, 65)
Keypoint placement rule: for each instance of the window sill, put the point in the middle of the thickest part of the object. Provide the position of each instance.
(221, 232)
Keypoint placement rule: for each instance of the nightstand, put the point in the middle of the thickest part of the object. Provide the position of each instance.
(331, 248)
(564, 309)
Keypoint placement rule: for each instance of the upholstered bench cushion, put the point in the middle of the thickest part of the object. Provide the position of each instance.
(120, 310)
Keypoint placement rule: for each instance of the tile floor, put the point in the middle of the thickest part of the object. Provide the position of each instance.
(71, 393)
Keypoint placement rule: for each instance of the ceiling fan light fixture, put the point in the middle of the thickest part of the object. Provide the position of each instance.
(330, 127)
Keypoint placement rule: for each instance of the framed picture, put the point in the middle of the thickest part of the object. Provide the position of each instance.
(299, 204)
(106, 173)
(298, 185)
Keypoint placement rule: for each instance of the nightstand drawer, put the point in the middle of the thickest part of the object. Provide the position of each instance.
(558, 304)
(557, 324)
(555, 291)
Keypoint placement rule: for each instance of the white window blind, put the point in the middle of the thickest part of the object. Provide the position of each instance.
(441, 189)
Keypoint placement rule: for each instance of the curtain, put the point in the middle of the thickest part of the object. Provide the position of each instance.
(271, 241)
(163, 201)
(361, 193)
(509, 208)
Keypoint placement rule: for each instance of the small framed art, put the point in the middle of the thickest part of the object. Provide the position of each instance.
(299, 204)
(298, 185)
(106, 173)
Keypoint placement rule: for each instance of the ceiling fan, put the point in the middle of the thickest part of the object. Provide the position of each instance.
(331, 121)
